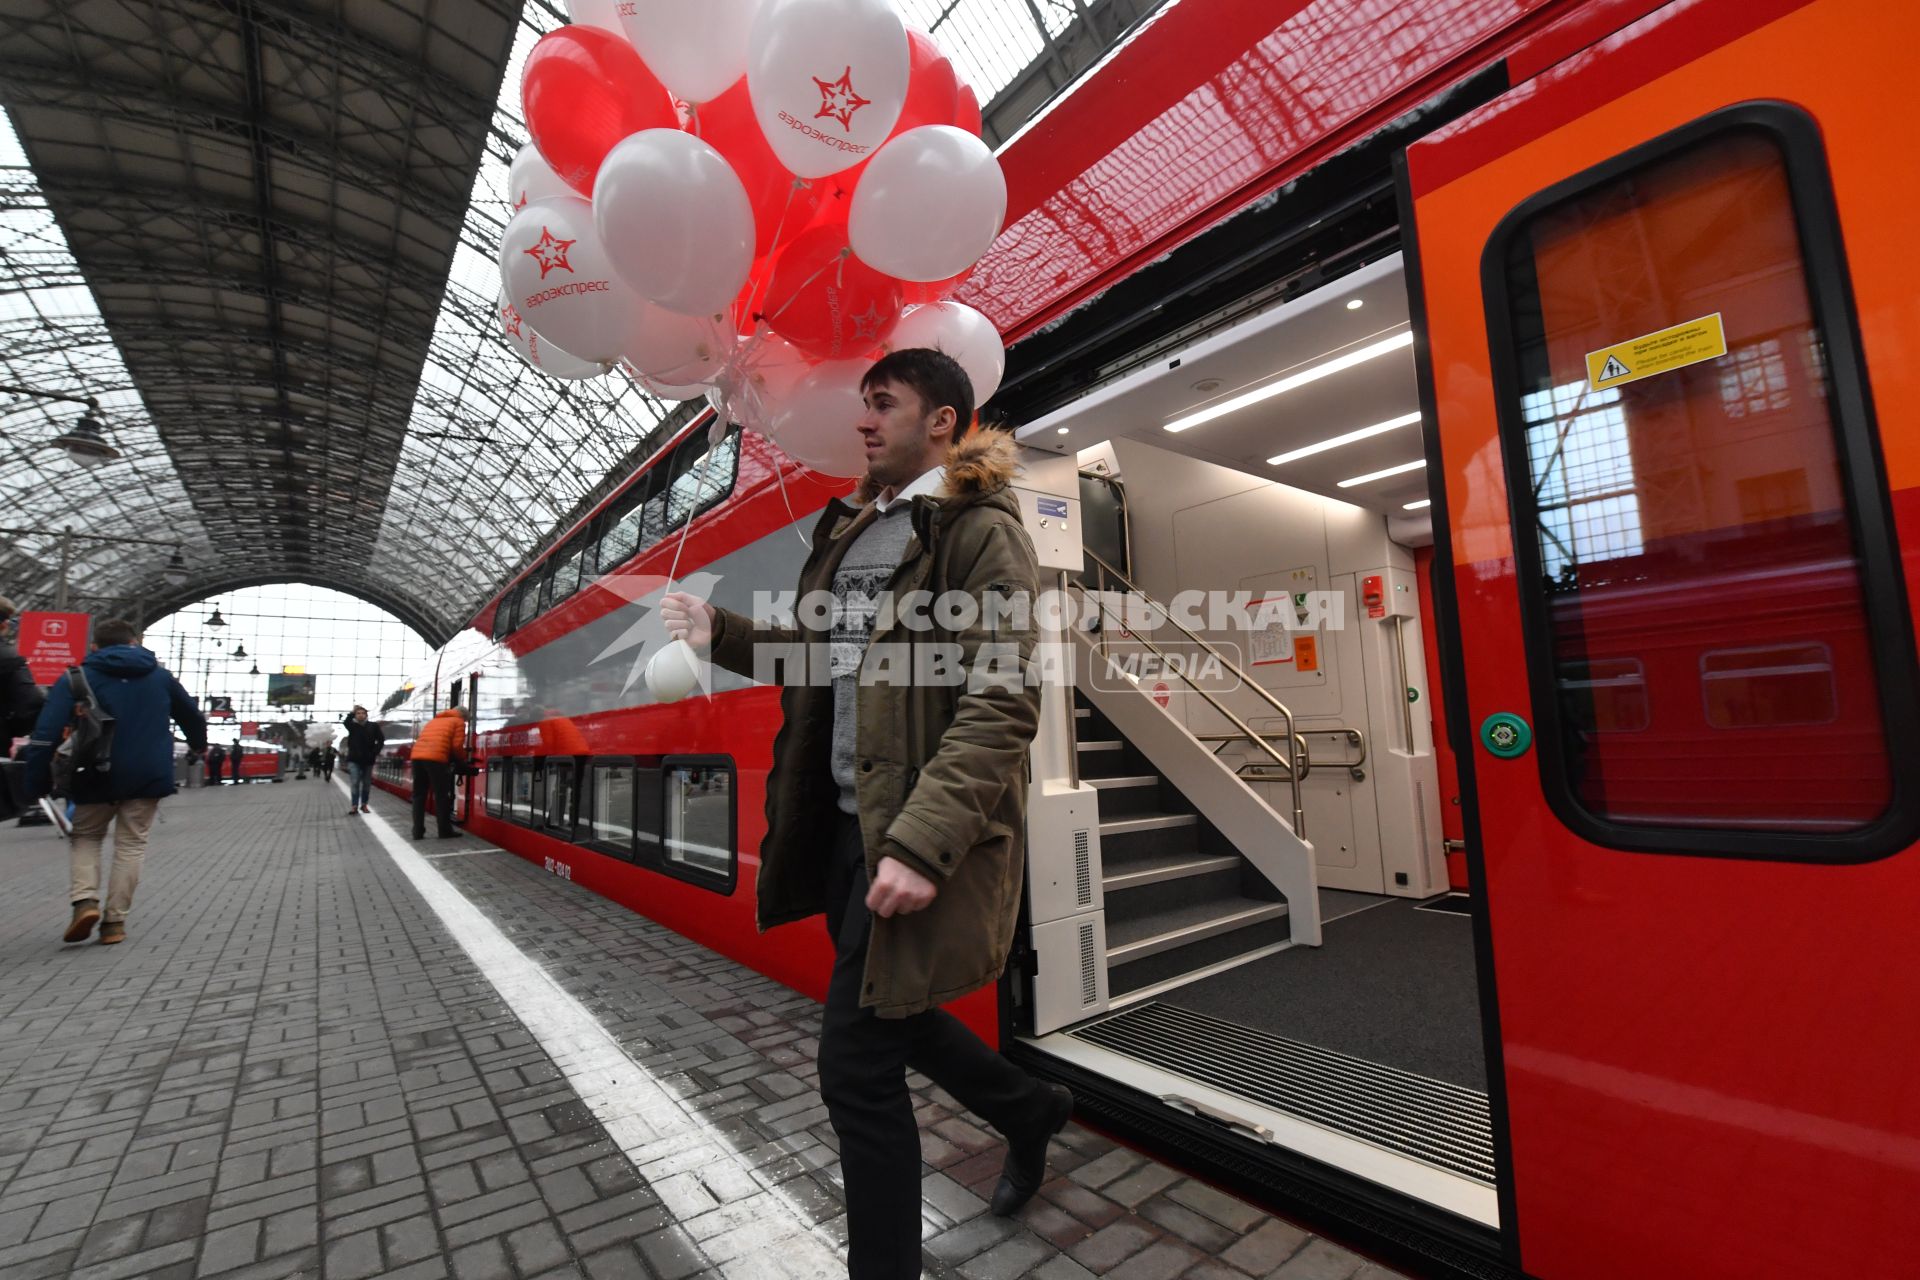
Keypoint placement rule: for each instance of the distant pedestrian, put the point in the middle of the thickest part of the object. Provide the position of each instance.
(364, 744)
(20, 702)
(327, 758)
(216, 764)
(233, 759)
(440, 745)
(130, 685)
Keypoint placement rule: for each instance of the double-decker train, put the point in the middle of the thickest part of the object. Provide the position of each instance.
(1542, 908)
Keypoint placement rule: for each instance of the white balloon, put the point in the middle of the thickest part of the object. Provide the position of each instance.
(816, 423)
(675, 349)
(558, 278)
(697, 48)
(961, 332)
(673, 672)
(543, 356)
(676, 219)
(667, 390)
(530, 178)
(827, 79)
(596, 13)
(764, 375)
(929, 205)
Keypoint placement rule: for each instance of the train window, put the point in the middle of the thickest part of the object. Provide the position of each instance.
(565, 579)
(536, 813)
(562, 786)
(610, 797)
(622, 536)
(702, 475)
(507, 616)
(519, 789)
(697, 812)
(1769, 686)
(1710, 520)
(1605, 695)
(496, 780)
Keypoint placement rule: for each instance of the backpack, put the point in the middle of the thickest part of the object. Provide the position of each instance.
(88, 749)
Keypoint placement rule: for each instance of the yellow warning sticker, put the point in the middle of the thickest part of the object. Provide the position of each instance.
(1656, 353)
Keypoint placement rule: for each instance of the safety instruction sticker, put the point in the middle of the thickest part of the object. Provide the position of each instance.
(1656, 353)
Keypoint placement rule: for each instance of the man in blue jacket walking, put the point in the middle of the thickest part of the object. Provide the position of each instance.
(141, 695)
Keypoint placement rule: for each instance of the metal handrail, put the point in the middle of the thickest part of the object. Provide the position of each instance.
(1294, 762)
(1355, 738)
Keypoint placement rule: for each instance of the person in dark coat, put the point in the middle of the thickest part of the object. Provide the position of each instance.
(364, 744)
(142, 696)
(327, 758)
(20, 697)
(233, 759)
(216, 762)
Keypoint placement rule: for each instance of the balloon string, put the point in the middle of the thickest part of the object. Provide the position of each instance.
(700, 482)
(753, 298)
(780, 476)
(801, 288)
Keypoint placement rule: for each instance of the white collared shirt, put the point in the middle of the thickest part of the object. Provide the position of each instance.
(928, 482)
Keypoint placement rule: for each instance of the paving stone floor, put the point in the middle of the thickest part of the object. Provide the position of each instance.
(293, 1068)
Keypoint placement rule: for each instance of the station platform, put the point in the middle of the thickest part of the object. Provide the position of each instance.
(327, 1051)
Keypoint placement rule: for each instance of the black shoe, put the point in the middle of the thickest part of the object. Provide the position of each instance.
(1026, 1166)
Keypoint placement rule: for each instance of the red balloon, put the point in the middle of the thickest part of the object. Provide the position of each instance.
(783, 205)
(933, 91)
(967, 113)
(827, 302)
(584, 90)
(933, 97)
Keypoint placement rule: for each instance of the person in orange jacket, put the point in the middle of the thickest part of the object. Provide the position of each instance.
(440, 745)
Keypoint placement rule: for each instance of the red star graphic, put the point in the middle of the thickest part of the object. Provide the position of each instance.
(511, 319)
(867, 323)
(838, 101)
(550, 253)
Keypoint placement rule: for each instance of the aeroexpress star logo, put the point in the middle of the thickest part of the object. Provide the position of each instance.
(838, 101)
(510, 319)
(550, 253)
(867, 323)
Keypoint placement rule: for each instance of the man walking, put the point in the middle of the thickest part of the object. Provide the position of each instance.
(20, 703)
(327, 757)
(364, 742)
(896, 806)
(216, 763)
(439, 745)
(233, 759)
(130, 685)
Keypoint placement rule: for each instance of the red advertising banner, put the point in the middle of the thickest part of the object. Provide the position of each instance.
(52, 642)
(249, 728)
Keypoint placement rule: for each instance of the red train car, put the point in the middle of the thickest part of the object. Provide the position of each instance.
(1635, 271)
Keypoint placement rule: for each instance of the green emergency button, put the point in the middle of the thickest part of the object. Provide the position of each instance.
(1506, 735)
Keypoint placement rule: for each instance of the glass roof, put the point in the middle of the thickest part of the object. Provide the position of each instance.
(495, 455)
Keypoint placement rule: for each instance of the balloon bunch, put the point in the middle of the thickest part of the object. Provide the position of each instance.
(748, 200)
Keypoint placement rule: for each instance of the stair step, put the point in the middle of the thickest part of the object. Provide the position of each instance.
(1082, 713)
(1151, 936)
(1147, 822)
(1171, 967)
(1163, 867)
(1132, 780)
(1113, 744)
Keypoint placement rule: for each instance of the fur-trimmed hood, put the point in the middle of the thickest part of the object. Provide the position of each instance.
(981, 462)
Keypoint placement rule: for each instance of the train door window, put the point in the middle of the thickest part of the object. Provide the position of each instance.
(697, 812)
(519, 788)
(562, 786)
(1696, 499)
(536, 793)
(1605, 695)
(609, 821)
(1769, 686)
(496, 785)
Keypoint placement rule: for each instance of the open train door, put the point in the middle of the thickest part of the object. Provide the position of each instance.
(1670, 316)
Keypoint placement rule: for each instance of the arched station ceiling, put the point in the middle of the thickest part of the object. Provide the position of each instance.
(261, 235)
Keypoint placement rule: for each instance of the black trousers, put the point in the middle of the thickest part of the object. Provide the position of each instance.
(437, 775)
(863, 1080)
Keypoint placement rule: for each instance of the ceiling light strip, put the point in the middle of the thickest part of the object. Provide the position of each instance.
(1397, 342)
(1364, 433)
(1371, 476)
(1421, 505)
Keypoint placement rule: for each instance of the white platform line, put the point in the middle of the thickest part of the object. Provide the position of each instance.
(688, 1163)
